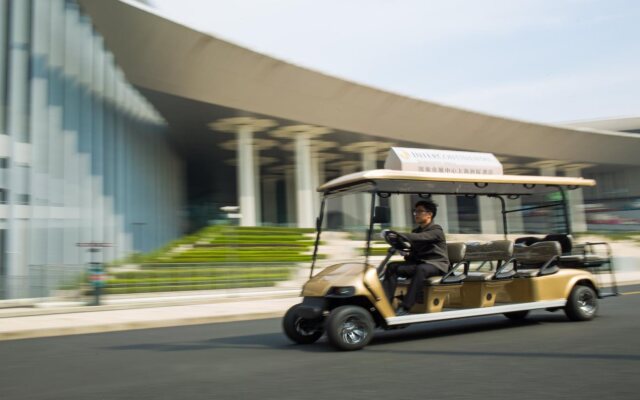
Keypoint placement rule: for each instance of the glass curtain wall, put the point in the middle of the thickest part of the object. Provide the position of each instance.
(83, 156)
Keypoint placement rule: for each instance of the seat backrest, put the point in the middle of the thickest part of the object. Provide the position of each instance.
(495, 250)
(527, 240)
(566, 241)
(456, 252)
(537, 254)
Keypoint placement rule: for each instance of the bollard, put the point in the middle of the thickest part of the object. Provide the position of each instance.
(97, 278)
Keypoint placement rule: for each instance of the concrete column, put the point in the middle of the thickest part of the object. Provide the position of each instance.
(400, 211)
(442, 218)
(489, 216)
(369, 159)
(576, 204)
(246, 171)
(304, 181)
(547, 170)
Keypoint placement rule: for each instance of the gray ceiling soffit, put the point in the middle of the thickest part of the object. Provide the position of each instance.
(162, 55)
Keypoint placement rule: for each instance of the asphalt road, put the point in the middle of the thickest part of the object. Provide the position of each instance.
(546, 357)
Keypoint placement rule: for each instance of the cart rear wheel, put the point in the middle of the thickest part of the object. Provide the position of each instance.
(301, 330)
(349, 327)
(582, 304)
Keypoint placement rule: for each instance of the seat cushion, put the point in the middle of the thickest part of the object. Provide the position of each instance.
(479, 276)
(581, 260)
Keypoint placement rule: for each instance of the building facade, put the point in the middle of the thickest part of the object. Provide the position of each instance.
(121, 127)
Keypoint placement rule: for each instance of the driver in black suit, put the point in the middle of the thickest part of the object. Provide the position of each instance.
(428, 257)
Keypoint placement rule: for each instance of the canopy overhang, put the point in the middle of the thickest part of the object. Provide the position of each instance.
(391, 181)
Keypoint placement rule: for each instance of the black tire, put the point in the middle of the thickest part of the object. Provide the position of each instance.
(349, 327)
(301, 330)
(582, 304)
(517, 315)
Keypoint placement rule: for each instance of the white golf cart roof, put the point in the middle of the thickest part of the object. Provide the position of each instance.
(393, 181)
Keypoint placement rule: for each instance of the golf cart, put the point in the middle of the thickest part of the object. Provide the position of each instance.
(346, 301)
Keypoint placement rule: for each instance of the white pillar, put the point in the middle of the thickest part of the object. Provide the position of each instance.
(442, 217)
(369, 158)
(576, 204)
(303, 181)
(400, 211)
(246, 171)
(489, 216)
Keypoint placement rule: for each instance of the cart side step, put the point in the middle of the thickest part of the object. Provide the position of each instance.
(475, 312)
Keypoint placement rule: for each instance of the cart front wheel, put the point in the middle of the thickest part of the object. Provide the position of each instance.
(582, 304)
(349, 327)
(301, 330)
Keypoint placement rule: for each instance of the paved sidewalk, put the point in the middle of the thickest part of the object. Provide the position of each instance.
(139, 312)
(89, 321)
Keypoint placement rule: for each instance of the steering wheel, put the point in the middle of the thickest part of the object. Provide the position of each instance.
(396, 240)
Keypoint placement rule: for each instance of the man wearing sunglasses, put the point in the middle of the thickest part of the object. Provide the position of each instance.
(428, 257)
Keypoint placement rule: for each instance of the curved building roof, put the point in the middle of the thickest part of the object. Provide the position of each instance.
(161, 55)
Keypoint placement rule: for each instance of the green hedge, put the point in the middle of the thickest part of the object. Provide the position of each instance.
(201, 272)
(171, 288)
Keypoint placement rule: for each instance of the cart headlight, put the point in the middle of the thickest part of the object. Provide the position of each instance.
(342, 291)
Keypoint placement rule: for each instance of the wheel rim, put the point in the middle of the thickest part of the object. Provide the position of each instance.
(587, 302)
(353, 331)
(304, 328)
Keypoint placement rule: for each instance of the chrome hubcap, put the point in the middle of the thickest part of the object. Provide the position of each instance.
(587, 302)
(353, 331)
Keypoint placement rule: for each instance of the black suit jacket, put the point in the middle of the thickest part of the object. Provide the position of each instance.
(429, 245)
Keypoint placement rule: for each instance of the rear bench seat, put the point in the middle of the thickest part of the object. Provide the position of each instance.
(572, 255)
(537, 259)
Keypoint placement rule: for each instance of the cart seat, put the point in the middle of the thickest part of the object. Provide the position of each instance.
(456, 252)
(495, 250)
(581, 260)
(500, 251)
(538, 259)
(573, 255)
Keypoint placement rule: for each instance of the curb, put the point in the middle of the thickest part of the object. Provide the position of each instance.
(143, 304)
(103, 328)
